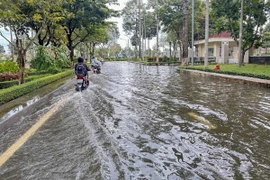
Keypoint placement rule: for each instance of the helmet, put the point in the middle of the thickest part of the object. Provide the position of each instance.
(80, 60)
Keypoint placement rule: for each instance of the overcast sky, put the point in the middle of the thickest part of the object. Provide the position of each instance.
(123, 39)
(3, 42)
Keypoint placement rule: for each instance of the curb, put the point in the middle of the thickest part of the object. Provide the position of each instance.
(9, 122)
(241, 79)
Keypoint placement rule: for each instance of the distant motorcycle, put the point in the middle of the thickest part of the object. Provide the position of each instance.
(82, 83)
(96, 69)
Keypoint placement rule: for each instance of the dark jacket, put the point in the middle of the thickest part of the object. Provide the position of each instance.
(86, 67)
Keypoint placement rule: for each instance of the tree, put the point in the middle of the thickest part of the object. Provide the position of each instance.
(131, 22)
(266, 38)
(82, 16)
(227, 15)
(171, 16)
(266, 41)
(111, 38)
(15, 15)
(149, 26)
(129, 14)
(98, 36)
(115, 49)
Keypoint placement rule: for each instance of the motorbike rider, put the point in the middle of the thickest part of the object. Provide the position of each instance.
(85, 68)
(95, 62)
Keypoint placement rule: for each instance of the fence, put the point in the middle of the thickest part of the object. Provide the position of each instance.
(200, 60)
(259, 59)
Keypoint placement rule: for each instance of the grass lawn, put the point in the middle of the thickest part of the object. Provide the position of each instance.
(255, 69)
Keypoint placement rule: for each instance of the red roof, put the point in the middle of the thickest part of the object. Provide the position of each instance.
(221, 35)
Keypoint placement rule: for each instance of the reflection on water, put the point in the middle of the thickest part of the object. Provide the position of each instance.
(140, 122)
(19, 108)
(13, 107)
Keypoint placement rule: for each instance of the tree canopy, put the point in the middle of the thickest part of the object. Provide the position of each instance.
(227, 18)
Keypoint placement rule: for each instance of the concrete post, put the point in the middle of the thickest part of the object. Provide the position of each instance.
(224, 53)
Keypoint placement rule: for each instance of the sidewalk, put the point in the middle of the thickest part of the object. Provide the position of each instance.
(241, 79)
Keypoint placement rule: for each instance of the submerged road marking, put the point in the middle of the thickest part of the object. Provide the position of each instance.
(20, 142)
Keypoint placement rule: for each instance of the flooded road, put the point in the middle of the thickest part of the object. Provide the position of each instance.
(145, 122)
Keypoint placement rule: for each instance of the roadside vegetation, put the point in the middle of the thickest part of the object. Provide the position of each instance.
(16, 91)
(46, 37)
(45, 69)
(249, 70)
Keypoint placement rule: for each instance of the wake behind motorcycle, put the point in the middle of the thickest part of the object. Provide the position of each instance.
(82, 83)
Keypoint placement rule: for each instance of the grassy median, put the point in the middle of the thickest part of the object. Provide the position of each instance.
(250, 70)
(16, 91)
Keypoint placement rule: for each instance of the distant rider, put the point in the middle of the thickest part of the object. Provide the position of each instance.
(95, 62)
(82, 69)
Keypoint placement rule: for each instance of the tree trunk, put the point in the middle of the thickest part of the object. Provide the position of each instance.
(174, 49)
(71, 55)
(93, 49)
(185, 32)
(180, 51)
(170, 43)
(149, 49)
(242, 57)
(71, 48)
(21, 60)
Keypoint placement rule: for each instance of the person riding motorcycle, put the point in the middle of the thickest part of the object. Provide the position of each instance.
(84, 70)
(96, 64)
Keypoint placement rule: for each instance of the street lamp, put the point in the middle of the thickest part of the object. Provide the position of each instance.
(206, 33)
(192, 55)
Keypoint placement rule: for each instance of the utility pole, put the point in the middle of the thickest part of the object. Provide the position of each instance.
(206, 33)
(240, 35)
(145, 49)
(192, 44)
(140, 29)
(157, 37)
(142, 34)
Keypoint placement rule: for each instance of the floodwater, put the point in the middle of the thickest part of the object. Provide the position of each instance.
(145, 122)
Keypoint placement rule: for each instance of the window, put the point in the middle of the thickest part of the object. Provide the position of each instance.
(210, 51)
(230, 51)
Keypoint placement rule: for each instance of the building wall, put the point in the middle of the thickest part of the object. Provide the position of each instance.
(216, 44)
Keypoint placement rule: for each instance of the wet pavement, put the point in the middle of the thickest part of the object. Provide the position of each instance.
(145, 122)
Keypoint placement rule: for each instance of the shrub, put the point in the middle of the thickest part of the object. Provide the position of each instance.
(19, 90)
(7, 84)
(8, 76)
(261, 76)
(8, 66)
(50, 60)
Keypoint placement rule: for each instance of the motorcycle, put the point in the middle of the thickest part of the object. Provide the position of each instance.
(82, 83)
(96, 69)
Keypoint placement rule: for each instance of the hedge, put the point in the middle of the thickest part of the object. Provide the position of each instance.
(260, 76)
(14, 92)
(7, 84)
